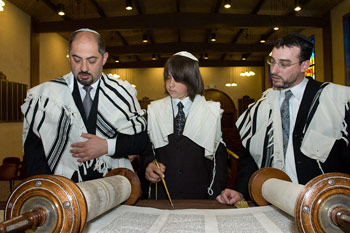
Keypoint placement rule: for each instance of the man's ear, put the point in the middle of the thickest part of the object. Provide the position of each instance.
(305, 65)
(105, 57)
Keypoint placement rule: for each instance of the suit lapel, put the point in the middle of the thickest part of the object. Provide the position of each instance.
(311, 89)
(90, 123)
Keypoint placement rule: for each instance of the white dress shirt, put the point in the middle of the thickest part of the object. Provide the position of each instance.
(111, 143)
(187, 102)
(294, 104)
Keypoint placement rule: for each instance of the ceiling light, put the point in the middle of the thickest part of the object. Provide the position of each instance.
(213, 37)
(297, 6)
(144, 38)
(227, 4)
(2, 4)
(128, 5)
(276, 28)
(262, 39)
(206, 56)
(244, 57)
(61, 10)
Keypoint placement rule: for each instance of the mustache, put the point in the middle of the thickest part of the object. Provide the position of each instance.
(84, 73)
(275, 75)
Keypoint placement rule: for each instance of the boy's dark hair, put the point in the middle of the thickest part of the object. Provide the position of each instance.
(298, 40)
(186, 71)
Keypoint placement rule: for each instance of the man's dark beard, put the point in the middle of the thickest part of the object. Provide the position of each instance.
(85, 82)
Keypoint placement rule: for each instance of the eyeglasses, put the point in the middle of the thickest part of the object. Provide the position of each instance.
(282, 64)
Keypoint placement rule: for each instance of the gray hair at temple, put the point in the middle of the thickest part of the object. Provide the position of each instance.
(298, 40)
(100, 42)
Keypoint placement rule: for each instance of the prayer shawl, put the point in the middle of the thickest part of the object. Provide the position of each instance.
(51, 112)
(261, 131)
(203, 123)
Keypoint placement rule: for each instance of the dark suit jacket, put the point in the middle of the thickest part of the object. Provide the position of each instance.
(307, 168)
(34, 154)
(188, 173)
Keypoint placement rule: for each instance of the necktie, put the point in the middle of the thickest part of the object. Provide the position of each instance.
(87, 102)
(180, 119)
(285, 119)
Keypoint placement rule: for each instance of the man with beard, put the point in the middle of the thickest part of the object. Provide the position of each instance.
(85, 123)
(300, 126)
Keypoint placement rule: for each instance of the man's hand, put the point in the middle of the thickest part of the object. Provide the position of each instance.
(153, 174)
(229, 197)
(92, 148)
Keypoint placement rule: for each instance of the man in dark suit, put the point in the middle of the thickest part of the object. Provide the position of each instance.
(85, 123)
(300, 126)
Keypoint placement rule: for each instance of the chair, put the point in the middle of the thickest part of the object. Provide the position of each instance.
(9, 170)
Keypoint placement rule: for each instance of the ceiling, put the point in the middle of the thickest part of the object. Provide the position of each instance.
(175, 25)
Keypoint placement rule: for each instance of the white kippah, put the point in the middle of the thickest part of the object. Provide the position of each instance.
(186, 54)
(87, 30)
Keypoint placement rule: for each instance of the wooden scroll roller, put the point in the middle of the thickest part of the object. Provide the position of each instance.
(51, 203)
(322, 205)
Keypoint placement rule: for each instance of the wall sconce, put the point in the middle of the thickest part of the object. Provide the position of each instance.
(144, 38)
(154, 57)
(128, 5)
(61, 10)
(227, 4)
(2, 4)
(206, 56)
(276, 28)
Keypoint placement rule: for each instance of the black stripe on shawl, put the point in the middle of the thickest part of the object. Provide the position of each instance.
(44, 114)
(314, 104)
(267, 151)
(121, 97)
(347, 122)
(252, 130)
(60, 80)
(56, 151)
(27, 110)
(104, 127)
(135, 112)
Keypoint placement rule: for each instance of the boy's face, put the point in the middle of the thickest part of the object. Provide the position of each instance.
(175, 89)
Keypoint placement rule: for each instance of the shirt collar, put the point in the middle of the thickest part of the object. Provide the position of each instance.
(187, 102)
(298, 90)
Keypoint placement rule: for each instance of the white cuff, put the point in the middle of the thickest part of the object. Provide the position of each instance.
(111, 143)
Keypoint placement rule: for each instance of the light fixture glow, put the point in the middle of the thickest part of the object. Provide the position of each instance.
(154, 57)
(213, 37)
(247, 74)
(2, 3)
(297, 8)
(206, 56)
(227, 4)
(144, 38)
(128, 5)
(61, 10)
(262, 39)
(276, 28)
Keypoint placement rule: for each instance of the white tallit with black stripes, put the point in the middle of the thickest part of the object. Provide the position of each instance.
(261, 131)
(51, 110)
